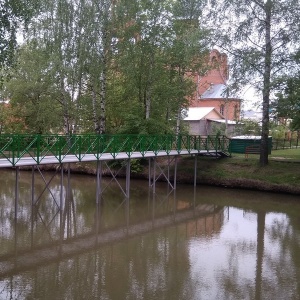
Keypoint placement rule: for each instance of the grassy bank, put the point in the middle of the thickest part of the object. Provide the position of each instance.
(281, 175)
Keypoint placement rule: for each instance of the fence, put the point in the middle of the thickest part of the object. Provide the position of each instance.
(285, 144)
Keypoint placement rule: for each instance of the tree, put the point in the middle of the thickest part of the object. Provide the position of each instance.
(13, 15)
(64, 30)
(189, 50)
(161, 44)
(287, 103)
(113, 66)
(260, 37)
(32, 92)
(142, 64)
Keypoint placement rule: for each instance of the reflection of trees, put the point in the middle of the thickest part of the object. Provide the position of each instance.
(277, 270)
(234, 284)
(154, 260)
(261, 216)
(284, 261)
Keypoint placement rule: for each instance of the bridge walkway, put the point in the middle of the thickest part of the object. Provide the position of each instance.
(28, 150)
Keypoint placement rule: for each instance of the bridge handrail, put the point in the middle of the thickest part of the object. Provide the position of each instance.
(13, 147)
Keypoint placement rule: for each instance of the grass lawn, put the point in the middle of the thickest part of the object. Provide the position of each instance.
(291, 154)
(283, 168)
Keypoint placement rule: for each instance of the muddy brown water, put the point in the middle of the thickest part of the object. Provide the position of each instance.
(202, 243)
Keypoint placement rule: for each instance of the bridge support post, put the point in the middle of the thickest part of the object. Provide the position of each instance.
(61, 187)
(61, 201)
(149, 171)
(195, 171)
(175, 173)
(154, 174)
(32, 185)
(16, 211)
(32, 203)
(99, 181)
(17, 192)
(164, 171)
(168, 172)
(128, 178)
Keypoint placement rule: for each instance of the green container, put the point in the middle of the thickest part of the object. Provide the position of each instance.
(238, 144)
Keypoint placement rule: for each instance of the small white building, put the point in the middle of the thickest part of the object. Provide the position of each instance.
(202, 121)
(252, 115)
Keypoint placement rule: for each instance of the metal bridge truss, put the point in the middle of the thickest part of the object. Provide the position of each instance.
(62, 203)
(26, 149)
(35, 150)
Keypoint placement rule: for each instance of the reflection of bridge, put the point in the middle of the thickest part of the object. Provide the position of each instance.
(18, 261)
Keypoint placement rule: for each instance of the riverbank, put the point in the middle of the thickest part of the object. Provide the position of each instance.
(282, 175)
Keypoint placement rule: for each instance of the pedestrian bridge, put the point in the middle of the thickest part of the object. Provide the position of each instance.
(17, 150)
(29, 150)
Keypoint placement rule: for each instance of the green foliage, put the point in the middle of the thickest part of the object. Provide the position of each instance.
(9, 121)
(111, 67)
(278, 131)
(218, 129)
(13, 14)
(135, 166)
(287, 103)
(248, 127)
(32, 93)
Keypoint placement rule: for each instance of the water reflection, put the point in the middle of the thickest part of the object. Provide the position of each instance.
(188, 245)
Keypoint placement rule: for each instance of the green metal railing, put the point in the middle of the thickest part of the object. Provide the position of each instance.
(13, 147)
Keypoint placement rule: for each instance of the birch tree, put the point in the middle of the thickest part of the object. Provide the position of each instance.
(14, 15)
(260, 36)
(60, 30)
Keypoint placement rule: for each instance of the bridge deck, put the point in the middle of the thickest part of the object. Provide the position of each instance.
(51, 159)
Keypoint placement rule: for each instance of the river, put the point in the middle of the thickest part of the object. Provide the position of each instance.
(197, 243)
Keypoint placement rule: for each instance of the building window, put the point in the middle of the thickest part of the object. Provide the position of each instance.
(222, 109)
(236, 112)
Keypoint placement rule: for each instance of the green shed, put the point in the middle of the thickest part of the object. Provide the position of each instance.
(238, 144)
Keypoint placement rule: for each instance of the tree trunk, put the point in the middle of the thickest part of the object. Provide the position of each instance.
(148, 93)
(102, 121)
(77, 106)
(65, 108)
(95, 113)
(178, 119)
(266, 88)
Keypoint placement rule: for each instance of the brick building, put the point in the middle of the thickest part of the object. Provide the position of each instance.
(212, 89)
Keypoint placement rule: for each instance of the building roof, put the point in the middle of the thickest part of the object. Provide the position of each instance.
(246, 137)
(216, 91)
(198, 113)
(252, 115)
(229, 122)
